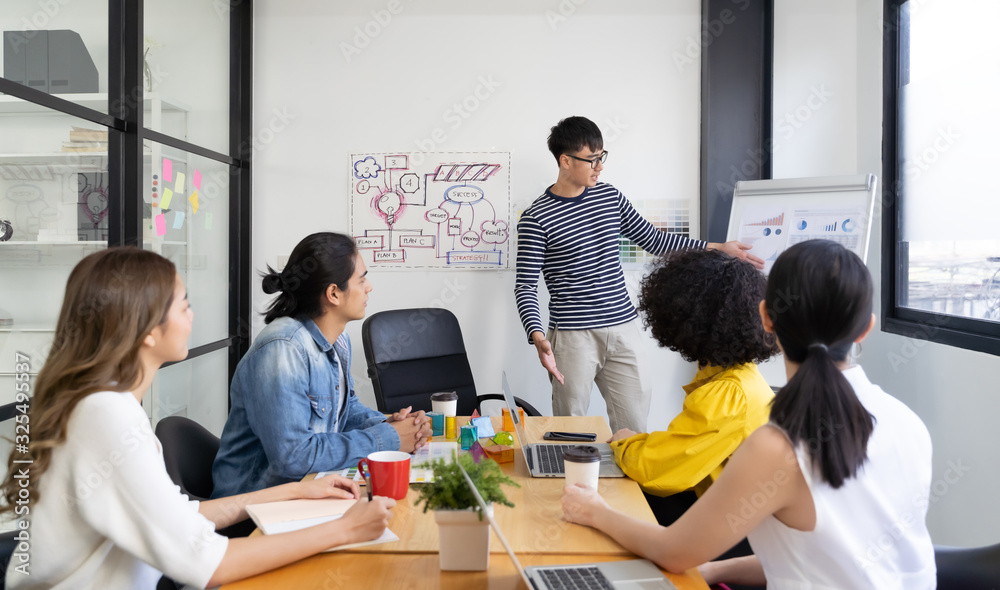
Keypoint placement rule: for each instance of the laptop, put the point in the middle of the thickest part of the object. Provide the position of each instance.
(632, 574)
(545, 460)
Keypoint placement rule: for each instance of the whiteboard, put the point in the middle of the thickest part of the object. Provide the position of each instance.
(772, 215)
(418, 210)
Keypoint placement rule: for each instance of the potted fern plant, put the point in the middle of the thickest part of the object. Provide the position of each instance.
(463, 533)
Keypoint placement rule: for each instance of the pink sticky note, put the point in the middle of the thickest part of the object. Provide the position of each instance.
(197, 180)
(161, 224)
(168, 170)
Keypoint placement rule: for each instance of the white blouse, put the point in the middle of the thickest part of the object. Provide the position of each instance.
(108, 515)
(872, 531)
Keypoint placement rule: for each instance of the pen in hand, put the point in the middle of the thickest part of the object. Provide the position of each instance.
(368, 482)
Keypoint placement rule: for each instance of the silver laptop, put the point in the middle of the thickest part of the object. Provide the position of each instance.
(544, 459)
(632, 574)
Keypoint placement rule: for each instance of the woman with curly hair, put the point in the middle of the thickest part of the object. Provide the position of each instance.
(702, 304)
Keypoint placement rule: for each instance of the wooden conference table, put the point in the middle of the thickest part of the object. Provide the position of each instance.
(535, 529)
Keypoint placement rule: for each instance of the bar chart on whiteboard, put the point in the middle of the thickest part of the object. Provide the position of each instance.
(770, 229)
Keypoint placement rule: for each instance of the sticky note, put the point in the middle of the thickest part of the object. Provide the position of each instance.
(208, 221)
(168, 169)
(161, 224)
(165, 199)
(179, 185)
(193, 199)
(197, 180)
(178, 219)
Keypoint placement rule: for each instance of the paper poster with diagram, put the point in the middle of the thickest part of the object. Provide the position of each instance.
(419, 210)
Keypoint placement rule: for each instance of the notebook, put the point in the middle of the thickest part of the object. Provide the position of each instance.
(274, 518)
(545, 460)
(420, 471)
(632, 574)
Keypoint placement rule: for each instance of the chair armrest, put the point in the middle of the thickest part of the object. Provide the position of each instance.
(528, 408)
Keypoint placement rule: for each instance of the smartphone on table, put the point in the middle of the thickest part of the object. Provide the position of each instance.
(570, 436)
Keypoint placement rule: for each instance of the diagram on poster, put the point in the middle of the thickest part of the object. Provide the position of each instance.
(432, 210)
(771, 229)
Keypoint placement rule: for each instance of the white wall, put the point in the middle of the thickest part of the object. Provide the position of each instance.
(837, 45)
(610, 61)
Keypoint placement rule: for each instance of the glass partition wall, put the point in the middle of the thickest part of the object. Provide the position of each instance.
(126, 122)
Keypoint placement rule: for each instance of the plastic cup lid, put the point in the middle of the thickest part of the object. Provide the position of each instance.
(444, 396)
(581, 454)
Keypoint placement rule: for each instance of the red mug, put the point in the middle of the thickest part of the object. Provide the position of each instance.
(389, 473)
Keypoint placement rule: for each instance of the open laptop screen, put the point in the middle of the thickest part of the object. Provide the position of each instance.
(516, 419)
(493, 522)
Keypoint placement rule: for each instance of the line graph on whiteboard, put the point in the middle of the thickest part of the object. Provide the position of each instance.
(431, 210)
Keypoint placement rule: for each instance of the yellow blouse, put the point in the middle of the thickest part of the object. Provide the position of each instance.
(722, 407)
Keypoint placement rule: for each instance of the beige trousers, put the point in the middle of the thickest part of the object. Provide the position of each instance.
(610, 358)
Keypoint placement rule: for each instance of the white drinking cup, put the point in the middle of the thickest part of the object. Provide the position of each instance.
(583, 465)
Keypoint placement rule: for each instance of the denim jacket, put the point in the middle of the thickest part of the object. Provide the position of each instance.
(282, 423)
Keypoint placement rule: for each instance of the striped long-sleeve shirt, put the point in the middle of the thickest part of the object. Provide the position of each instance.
(573, 243)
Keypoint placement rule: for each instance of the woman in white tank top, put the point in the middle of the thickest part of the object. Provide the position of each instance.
(833, 492)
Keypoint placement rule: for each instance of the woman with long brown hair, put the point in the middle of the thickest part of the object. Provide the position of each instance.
(95, 498)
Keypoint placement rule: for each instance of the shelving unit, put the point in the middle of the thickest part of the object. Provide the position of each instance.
(43, 264)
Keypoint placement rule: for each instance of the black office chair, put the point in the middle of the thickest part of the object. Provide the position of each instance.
(188, 452)
(976, 568)
(412, 353)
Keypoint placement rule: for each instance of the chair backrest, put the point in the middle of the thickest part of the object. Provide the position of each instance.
(188, 452)
(412, 353)
(968, 568)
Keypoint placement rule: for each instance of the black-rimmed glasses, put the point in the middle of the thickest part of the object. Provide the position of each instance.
(593, 163)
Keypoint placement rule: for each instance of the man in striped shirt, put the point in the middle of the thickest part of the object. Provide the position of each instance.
(569, 235)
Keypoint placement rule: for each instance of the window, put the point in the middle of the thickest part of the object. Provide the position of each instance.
(941, 228)
(127, 122)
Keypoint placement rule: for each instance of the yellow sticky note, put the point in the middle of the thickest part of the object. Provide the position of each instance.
(193, 199)
(165, 199)
(179, 185)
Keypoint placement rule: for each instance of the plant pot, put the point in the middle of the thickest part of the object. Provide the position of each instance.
(464, 540)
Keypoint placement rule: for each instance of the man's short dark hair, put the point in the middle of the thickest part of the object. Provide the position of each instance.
(572, 134)
(704, 304)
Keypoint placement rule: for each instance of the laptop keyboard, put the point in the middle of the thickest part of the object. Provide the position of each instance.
(572, 578)
(550, 458)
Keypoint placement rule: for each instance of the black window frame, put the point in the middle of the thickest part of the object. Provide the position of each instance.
(125, 161)
(968, 333)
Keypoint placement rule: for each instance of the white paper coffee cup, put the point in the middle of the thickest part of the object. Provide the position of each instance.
(583, 465)
(445, 402)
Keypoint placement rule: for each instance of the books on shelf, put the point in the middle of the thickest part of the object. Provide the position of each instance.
(83, 134)
(82, 139)
(85, 146)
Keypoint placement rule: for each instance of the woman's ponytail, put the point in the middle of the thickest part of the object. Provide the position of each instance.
(819, 301)
(818, 407)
